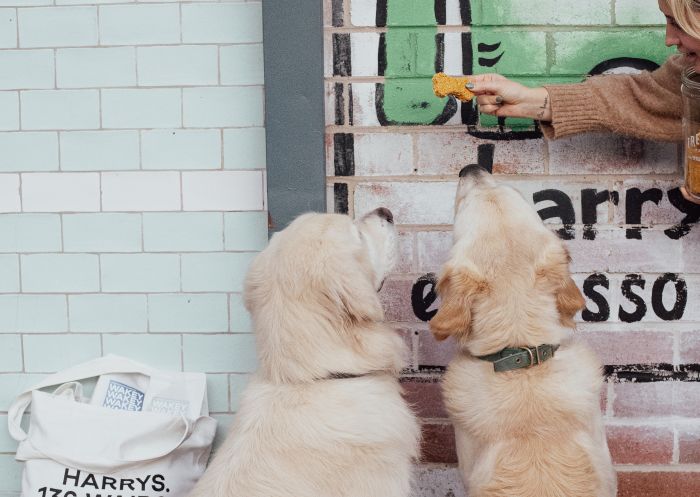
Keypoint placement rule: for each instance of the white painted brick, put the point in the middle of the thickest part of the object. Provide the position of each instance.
(57, 27)
(690, 254)
(364, 48)
(60, 109)
(214, 107)
(24, 69)
(433, 249)
(8, 28)
(453, 54)
(95, 67)
(222, 23)
(597, 153)
(180, 65)
(139, 24)
(386, 154)
(363, 12)
(181, 149)
(9, 193)
(411, 203)
(222, 191)
(158, 108)
(364, 105)
(447, 153)
(242, 65)
(141, 191)
(453, 17)
(61, 192)
(9, 110)
(29, 151)
(663, 213)
(244, 148)
(99, 150)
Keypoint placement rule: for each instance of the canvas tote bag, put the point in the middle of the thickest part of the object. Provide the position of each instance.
(125, 441)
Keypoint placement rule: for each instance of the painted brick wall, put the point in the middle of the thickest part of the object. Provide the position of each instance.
(132, 189)
(634, 244)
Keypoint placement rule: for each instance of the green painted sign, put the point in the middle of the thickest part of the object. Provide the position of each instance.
(534, 42)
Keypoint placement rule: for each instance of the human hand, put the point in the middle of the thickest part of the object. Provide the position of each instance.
(688, 197)
(499, 96)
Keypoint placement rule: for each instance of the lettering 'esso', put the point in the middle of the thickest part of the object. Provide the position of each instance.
(423, 298)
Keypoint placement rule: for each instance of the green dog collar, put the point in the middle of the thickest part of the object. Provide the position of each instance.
(518, 358)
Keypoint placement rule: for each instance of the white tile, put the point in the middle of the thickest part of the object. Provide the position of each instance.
(244, 148)
(61, 192)
(8, 28)
(152, 108)
(179, 65)
(181, 149)
(60, 109)
(99, 150)
(29, 151)
(141, 191)
(139, 24)
(9, 110)
(222, 23)
(58, 26)
(95, 67)
(214, 107)
(9, 193)
(242, 65)
(24, 69)
(222, 191)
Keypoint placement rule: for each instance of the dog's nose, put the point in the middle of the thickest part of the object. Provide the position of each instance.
(385, 214)
(471, 170)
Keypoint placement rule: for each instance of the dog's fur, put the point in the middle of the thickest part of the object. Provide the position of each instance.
(312, 295)
(534, 432)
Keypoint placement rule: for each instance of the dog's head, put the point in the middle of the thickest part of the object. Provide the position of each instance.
(315, 286)
(507, 278)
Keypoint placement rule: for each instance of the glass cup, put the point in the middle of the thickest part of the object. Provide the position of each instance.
(690, 90)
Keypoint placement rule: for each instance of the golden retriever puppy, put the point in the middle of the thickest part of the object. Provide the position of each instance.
(523, 393)
(323, 416)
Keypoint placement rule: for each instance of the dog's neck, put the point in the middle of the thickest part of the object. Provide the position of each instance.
(482, 342)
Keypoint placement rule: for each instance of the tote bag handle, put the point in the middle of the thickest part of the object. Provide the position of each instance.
(97, 367)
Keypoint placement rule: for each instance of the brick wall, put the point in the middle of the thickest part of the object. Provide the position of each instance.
(391, 142)
(132, 195)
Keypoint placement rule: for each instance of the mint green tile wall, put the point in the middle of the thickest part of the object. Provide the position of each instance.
(126, 243)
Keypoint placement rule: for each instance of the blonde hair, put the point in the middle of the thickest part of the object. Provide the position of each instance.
(686, 13)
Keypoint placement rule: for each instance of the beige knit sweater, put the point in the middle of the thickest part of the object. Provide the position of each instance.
(645, 105)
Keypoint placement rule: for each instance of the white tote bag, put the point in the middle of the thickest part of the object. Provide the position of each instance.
(144, 433)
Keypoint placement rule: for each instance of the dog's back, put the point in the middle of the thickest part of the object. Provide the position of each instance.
(338, 438)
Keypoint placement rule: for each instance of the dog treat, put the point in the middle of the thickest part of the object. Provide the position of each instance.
(444, 85)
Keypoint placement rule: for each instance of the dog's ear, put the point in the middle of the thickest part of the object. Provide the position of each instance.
(553, 271)
(457, 288)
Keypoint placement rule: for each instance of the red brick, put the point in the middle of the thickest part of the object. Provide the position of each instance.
(434, 353)
(425, 395)
(438, 444)
(633, 400)
(640, 444)
(658, 484)
(396, 299)
(689, 445)
(631, 347)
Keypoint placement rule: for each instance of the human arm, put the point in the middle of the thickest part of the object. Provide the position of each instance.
(645, 105)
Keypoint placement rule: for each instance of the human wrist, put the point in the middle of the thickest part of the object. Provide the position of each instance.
(539, 105)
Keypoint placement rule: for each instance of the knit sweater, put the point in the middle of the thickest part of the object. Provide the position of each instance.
(645, 105)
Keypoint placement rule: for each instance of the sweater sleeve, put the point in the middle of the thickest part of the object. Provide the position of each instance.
(645, 105)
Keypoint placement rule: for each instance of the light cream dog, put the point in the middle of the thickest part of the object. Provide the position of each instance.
(521, 432)
(323, 416)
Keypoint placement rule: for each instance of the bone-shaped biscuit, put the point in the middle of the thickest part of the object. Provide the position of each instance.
(444, 85)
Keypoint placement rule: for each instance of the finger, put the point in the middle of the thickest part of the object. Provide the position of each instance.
(486, 87)
(688, 197)
(489, 100)
(489, 109)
